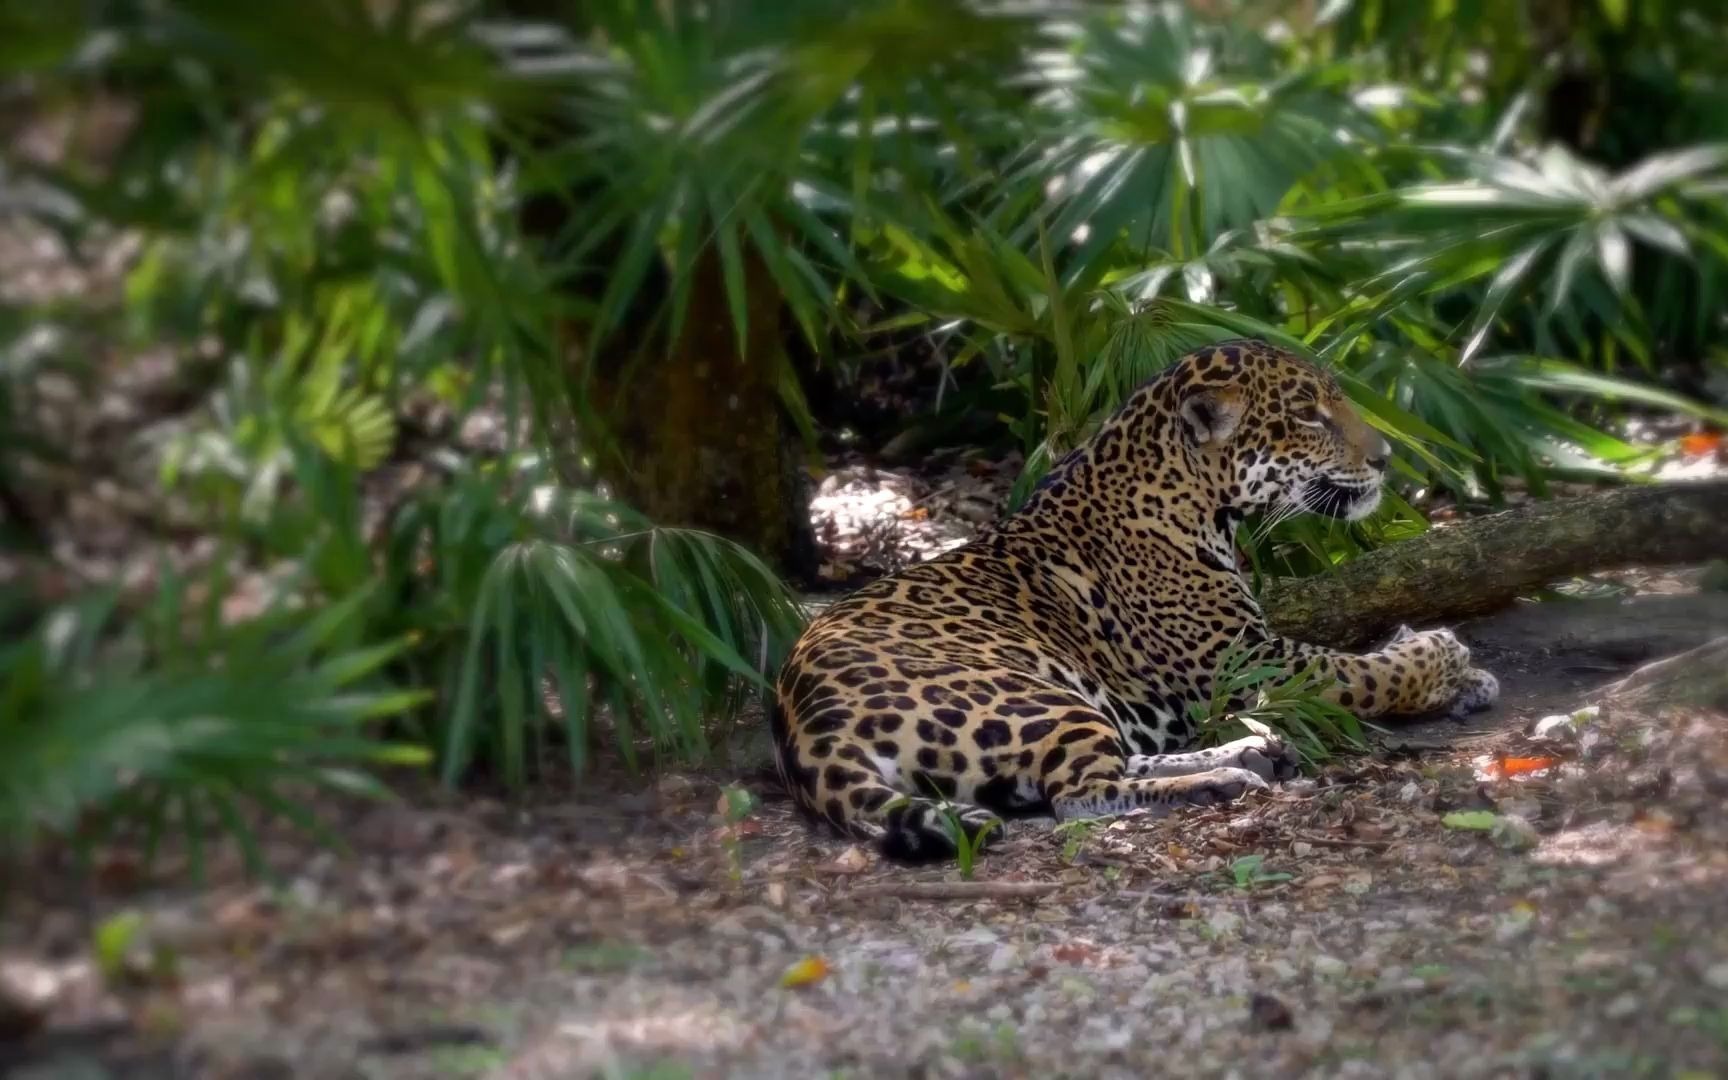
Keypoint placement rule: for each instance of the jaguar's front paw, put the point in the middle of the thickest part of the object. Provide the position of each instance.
(1265, 753)
(1477, 690)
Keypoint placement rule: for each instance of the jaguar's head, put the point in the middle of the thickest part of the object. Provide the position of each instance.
(1275, 433)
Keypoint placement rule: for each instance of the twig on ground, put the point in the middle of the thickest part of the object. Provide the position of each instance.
(1384, 996)
(957, 890)
(1340, 841)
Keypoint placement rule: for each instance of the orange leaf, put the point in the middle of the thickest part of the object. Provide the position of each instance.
(811, 969)
(1517, 766)
(1701, 443)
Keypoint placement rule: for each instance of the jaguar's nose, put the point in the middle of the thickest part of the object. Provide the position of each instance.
(1377, 462)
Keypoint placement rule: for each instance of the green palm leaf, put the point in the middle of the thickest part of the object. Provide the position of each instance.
(1165, 133)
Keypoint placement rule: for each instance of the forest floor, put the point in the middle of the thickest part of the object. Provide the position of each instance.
(1337, 927)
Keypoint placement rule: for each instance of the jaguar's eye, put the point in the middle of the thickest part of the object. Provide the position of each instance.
(1308, 413)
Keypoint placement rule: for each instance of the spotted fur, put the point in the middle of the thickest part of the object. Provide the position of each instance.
(1048, 665)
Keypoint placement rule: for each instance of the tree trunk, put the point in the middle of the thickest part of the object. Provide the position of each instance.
(695, 433)
(1481, 565)
(702, 440)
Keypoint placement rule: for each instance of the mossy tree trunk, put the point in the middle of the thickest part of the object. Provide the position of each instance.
(694, 431)
(700, 437)
(1484, 564)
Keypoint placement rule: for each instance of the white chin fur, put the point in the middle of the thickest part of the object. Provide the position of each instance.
(1364, 506)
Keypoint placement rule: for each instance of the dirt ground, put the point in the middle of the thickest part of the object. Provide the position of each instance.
(1337, 928)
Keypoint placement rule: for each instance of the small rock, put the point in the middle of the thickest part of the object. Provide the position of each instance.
(1554, 728)
(1717, 975)
(1515, 924)
(1302, 785)
(1109, 1040)
(1622, 1007)
(1410, 792)
(674, 788)
(1315, 1034)
(1514, 833)
(1328, 966)
(1301, 849)
(1528, 809)
(1268, 1013)
(1078, 989)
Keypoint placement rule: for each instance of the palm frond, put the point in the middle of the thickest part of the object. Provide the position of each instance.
(1165, 133)
(181, 723)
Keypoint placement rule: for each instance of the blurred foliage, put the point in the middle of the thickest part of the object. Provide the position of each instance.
(165, 729)
(1496, 222)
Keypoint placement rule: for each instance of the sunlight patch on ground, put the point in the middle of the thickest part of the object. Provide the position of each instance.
(647, 1029)
(879, 520)
(1600, 843)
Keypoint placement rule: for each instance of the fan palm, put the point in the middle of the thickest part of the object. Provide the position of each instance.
(1162, 132)
(1509, 227)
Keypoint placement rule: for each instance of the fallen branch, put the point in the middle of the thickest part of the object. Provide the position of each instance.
(957, 890)
(1481, 565)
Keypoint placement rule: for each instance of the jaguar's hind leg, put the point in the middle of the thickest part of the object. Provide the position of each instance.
(860, 802)
(1087, 776)
(1103, 796)
(1268, 757)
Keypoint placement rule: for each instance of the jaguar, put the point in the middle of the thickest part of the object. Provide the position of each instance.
(1051, 664)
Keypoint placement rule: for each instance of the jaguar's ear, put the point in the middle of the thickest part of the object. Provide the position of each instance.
(1210, 415)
